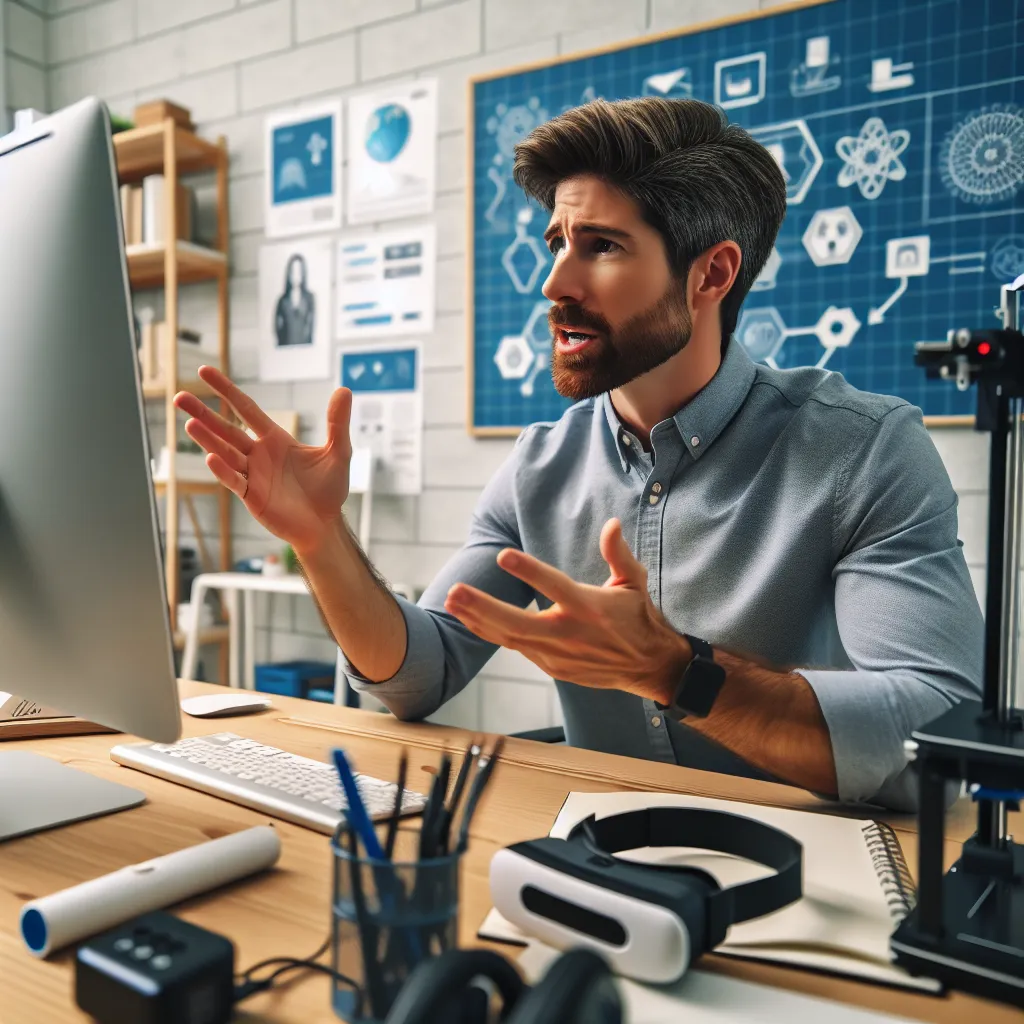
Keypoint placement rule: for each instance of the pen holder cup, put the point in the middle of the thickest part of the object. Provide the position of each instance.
(386, 917)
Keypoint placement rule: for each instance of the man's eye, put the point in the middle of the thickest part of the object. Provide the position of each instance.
(604, 245)
(556, 243)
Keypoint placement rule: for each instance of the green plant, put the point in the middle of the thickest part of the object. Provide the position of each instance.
(291, 561)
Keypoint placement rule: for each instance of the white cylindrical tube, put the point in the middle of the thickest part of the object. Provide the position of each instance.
(53, 921)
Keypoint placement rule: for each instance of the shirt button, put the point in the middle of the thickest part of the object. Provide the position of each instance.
(656, 488)
(695, 440)
(656, 721)
(626, 441)
(653, 499)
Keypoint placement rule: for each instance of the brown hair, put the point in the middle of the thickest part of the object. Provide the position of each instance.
(697, 179)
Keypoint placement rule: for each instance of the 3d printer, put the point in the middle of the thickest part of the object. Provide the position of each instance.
(968, 926)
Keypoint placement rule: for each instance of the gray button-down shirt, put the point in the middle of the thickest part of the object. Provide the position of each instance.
(781, 514)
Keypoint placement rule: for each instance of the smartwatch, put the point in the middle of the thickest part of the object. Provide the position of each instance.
(698, 689)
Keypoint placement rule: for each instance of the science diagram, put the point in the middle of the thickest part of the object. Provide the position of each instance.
(981, 161)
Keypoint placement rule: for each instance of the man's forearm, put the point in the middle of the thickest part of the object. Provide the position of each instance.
(773, 720)
(355, 603)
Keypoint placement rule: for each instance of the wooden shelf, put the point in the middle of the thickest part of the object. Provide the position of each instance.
(196, 387)
(140, 151)
(189, 486)
(195, 263)
(212, 635)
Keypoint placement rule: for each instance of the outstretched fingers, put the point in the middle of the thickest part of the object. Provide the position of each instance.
(248, 411)
(215, 445)
(234, 481)
(213, 421)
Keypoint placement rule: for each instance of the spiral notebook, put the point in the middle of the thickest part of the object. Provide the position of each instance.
(857, 887)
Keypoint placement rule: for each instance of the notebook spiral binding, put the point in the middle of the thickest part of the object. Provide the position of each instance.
(891, 868)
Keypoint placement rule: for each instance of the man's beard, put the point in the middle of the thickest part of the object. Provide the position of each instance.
(614, 358)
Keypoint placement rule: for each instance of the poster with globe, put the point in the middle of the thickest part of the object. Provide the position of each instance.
(303, 181)
(392, 146)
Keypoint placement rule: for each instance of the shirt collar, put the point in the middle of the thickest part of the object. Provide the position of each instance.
(706, 415)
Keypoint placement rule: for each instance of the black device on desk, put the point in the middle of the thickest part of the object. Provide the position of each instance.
(156, 969)
(968, 926)
(577, 989)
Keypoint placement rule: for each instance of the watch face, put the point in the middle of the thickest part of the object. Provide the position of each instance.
(701, 683)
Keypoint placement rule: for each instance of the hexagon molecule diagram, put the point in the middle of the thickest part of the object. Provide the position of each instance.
(525, 256)
(523, 356)
(832, 236)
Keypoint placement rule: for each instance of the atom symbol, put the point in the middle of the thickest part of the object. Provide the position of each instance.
(982, 158)
(511, 125)
(872, 158)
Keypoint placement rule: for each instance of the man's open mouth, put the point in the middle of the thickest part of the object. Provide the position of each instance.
(571, 339)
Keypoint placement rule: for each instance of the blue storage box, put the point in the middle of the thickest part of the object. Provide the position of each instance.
(295, 678)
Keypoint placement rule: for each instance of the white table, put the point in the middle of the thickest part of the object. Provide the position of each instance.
(231, 583)
(248, 583)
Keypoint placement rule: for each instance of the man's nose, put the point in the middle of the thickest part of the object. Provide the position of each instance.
(565, 284)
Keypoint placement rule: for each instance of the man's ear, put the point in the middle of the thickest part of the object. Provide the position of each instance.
(713, 274)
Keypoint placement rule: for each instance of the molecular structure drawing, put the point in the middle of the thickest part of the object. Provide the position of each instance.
(523, 356)
(1007, 260)
(509, 125)
(832, 236)
(982, 159)
(872, 157)
(524, 241)
(763, 332)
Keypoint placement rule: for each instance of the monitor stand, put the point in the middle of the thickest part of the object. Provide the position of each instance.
(37, 792)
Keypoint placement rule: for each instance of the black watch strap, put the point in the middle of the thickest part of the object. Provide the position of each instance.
(700, 648)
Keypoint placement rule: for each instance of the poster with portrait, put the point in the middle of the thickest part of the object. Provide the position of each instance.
(392, 152)
(303, 179)
(295, 307)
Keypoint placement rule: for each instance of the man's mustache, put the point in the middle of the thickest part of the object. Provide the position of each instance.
(571, 315)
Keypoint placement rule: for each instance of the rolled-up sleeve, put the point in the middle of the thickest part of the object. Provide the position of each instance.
(441, 655)
(905, 607)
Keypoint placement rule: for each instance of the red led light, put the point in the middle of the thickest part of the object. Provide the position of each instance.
(984, 348)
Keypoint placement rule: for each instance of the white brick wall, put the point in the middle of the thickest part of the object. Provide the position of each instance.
(230, 61)
(22, 58)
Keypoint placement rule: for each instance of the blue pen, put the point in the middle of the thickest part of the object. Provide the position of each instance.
(357, 815)
(388, 885)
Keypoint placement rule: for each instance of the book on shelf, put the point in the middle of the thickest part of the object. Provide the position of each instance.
(154, 211)
(190, 354)
(131, 213)
(189, 465)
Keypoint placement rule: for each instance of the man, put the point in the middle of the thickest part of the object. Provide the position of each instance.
(689, 497)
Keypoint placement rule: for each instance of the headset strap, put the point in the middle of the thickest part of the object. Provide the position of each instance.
(710, 830)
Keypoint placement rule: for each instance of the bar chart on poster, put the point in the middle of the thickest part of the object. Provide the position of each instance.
(899, 128)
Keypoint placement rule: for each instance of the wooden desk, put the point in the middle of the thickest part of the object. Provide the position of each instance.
(286, 912)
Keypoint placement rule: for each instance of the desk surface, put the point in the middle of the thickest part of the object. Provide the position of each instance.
(286, 912)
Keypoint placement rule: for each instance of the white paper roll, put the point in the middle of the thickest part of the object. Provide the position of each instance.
(53, 921)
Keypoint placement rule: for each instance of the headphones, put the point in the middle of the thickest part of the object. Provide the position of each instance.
(650, 921)
(577, 989)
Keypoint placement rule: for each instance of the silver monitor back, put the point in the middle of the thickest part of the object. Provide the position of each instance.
(84, 624)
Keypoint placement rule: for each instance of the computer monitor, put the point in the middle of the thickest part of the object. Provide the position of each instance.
(84, 623)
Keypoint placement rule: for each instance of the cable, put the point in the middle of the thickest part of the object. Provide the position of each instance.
(248, 973)
(247, 985)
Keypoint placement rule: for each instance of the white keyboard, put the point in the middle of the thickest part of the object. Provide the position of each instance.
(268, 779)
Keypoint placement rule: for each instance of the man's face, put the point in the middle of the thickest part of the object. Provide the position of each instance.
(618, 310)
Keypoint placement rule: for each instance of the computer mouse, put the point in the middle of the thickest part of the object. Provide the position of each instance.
(220, 705)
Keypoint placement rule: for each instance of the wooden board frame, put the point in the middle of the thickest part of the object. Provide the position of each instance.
(732, 19)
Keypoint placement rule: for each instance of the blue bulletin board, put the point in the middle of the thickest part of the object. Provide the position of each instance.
(900, 127)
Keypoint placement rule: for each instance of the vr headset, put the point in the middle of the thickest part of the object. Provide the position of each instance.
(649, 921)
